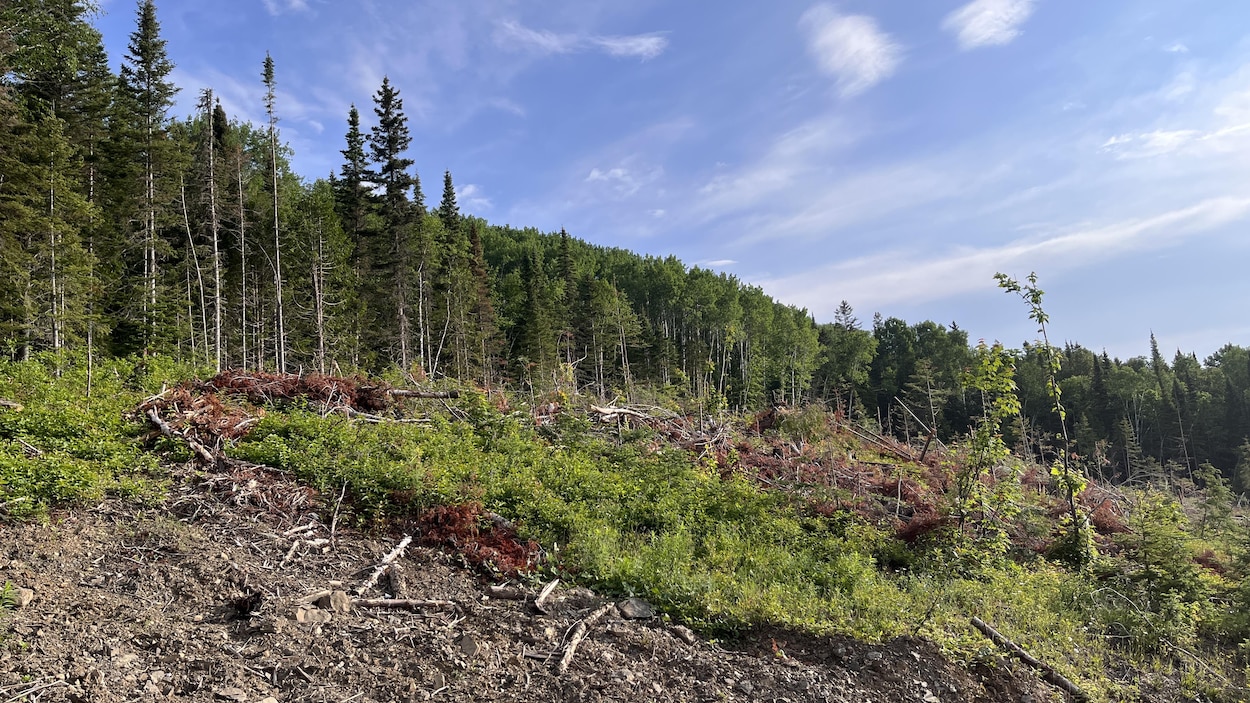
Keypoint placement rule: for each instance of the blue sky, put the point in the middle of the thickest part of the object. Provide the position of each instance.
(892, 153)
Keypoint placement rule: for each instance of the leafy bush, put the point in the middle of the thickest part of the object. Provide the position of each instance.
(66, 447)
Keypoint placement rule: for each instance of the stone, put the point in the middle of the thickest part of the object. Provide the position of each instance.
(23, 597)
(231, 694)
(340, 602)
(745, 687)
(685, 634)
(635, 609)
(313, 616)
(469, 646)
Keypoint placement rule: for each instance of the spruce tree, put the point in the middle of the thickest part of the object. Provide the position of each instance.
(280, 340)
(389, 140)
(352, 199)
(146, 96)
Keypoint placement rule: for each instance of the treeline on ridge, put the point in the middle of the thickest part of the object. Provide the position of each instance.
(127, 231)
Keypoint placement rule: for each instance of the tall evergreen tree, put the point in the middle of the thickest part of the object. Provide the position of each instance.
(146, 95)
(400, 318)
(280, 340)
(352, 201)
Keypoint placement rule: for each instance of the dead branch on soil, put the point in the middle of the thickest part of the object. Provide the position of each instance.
(1048, 673)
(10, 405)
(540, 603)
(507, 593)
(199, 449)
(403, 603)
(382, 566)
(579, 634)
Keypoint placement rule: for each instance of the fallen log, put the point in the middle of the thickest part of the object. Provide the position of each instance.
(611, 413)
(16, 407)
(1048, 672)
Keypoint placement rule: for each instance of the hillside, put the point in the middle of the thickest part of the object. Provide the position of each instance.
(807, 555)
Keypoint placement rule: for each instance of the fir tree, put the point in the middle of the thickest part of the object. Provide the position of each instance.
(400, 317)
(147, 95)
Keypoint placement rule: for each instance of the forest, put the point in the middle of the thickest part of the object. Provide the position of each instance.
(128, 231)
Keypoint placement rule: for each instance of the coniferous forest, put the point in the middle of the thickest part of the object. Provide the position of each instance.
(128, 230)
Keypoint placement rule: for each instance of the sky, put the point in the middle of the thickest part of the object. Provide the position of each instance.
(891, 153)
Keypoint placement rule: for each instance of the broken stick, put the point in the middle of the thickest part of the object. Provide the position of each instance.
(386, 561)
(540, 603)
(16, 407)
(1048, 673)
(405, 393)
(579, 634)
(168, 431)
(402, 603)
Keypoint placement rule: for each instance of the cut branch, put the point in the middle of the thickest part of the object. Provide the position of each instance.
(386, 562)
(1048, 673)
(403, 603)
(540, 602)
(579, 634)
(168, 431)
(405, 393)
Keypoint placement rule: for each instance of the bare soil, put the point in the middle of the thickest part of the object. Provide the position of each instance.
(201, 598)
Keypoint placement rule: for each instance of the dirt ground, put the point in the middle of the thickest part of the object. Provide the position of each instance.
(205, 597)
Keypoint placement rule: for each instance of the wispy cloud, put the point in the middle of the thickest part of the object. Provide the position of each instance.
(1177, 48)
(278, 7)
(850, 48)
(988, 22)
(623, 181)
(721, 262)
(470, 197)
(891, 278)
(513, 35)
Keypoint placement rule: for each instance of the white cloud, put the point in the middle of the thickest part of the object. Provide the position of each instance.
(1161, 142)
(1177, 48)
(722, 262)
(850, 48)
(470, 197)
(516, 36)
(644, 46)
(1180, 86)
(623, 181)
(988, 22)
(278, 7)
(892, 277)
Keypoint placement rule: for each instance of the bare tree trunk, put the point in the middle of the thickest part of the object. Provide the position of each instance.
(318, 281)
(242, 264)
(213, 231)
(280, 331)
(199, 275)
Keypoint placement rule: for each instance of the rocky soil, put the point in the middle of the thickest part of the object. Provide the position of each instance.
(243, 586)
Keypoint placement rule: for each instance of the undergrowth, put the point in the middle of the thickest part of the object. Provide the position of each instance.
(698, 535)
(720, 552)
(66, 447)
